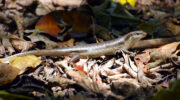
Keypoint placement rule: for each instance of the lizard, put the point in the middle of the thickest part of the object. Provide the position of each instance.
(91, 50)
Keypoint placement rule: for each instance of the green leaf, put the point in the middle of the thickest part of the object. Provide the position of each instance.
(9, 96)
(170, 94)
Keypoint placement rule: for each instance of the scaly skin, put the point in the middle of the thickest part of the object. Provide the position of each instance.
(111, 50)
(91, 50)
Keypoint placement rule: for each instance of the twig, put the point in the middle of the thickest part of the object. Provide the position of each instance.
(141, 76)
(94, 29)
(4, 18)
(127, 68)
(6, 43)
(155, 42)
(161, 66)
(116, 77)
(19, 19)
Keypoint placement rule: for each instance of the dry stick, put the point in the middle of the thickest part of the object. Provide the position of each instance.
(178, 73)
(94, 29)
(4, 18)
(133, 66)
(155, 42)
(19, 19)
(144, 81)
(116, 77)
(161, 66)
(6, 43)
(2, 49)
(127, 68)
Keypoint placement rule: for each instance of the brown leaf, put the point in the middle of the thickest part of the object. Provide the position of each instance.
(163, 54)
(21, 44)
(143, 59)
(68, 43)
(7, 73)
(18, 4)
(175, 29)
(49, 44)
(48, 25)
(92, 85)
(125, 86)
(47, 6)
(81, 79)
(169, 48)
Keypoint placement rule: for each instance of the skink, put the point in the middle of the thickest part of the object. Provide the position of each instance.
(91, 50)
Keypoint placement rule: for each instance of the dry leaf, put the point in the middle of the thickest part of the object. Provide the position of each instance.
(109, 64)
(7, 73)
(80, 65)
(141, 76)
(22, 63)
(91, 85)
(127, 66)
(163, 54)
(18, 4)
(143, 59)
(175, 29)
(48, 25)
(125, 86)
(68, 43)
(169, 48)
(133, 66)
(6, 43)
(64, 64)
(82, 79)
(105, 68)
(2, 50)
(21, 44)
(49, 44)
(47, 6)
(118, 76)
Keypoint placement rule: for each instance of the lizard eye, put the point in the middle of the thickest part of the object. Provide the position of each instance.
(138, 33)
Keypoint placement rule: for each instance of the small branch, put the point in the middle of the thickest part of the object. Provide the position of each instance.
(155, 42)
(94, 29)
(161, 66)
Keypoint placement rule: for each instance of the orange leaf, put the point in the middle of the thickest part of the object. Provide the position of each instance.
(48, 25)
(79, 21)
(79, 68)
(80, 65)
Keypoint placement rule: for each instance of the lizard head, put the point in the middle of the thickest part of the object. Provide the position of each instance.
(134, 37)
